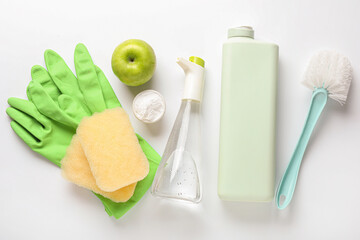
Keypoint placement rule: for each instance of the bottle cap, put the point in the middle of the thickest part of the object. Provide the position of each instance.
(197, 60)
(243, 31)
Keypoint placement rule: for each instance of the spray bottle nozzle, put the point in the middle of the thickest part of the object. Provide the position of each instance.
(194, 77)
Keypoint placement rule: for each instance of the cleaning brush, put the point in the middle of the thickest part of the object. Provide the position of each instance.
(329, 74)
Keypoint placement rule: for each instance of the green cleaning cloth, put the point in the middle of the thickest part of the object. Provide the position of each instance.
(58, 101)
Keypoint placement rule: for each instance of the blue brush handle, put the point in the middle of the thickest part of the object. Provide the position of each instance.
(288, 182)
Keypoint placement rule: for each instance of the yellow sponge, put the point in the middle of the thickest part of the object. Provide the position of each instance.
(75, 168)
(112, 149)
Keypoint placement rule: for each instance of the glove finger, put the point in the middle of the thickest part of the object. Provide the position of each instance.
(47, 106)
(31, 125)
(63, 76)
(41, 76)
(24, 135)
(72, 107)
(87, 79)
(110, 98)
(30, 109)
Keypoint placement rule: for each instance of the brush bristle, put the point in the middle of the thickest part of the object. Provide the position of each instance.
(332, 71)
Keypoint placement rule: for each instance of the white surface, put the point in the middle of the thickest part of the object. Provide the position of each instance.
(36, 203)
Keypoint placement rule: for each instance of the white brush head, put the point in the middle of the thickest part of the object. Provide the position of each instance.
(332, 71)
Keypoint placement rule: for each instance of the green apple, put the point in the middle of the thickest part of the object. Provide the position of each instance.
(133, 62)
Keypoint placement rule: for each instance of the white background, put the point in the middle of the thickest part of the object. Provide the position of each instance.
(36, 203)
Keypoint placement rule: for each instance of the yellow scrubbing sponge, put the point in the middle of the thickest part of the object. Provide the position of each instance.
(75, 168)
(112, 149)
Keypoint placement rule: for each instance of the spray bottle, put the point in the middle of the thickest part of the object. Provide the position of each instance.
(177, 176)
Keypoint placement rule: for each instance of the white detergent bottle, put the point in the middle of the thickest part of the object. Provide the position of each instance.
(177, 176)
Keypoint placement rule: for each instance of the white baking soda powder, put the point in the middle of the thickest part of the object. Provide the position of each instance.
(149, 106)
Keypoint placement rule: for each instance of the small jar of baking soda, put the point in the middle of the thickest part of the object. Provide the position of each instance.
(149, 106)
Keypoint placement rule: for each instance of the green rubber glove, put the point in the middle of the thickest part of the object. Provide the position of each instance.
(59, 95)
(41, 134)
(90, 88)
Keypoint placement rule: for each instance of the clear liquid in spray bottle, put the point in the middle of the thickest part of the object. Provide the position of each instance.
(177, 176)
